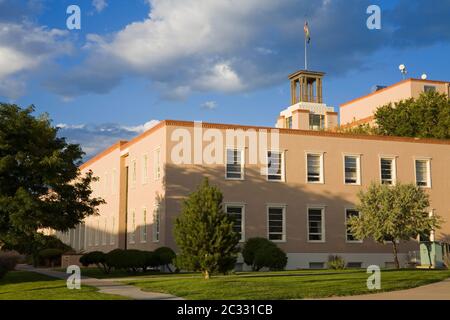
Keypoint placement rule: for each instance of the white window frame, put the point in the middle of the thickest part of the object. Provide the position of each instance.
(358, 169)
(105, 232)
(277, 206)
(316, 207)
(322, 172)
(346, 224)
(242, 152)
(156, 227)
(114, 182)
(145, 168)
(283, 161)
(132, 233)
(394, 168)
(133, 175)
(429, 181)
(112, 240)
(144, 230)
(157, 170)
(241, 205)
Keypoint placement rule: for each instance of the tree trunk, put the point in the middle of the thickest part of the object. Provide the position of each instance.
(206, 274)
(394, 247)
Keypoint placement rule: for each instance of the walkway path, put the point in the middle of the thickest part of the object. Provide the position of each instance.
(435, 291)
(104, 285)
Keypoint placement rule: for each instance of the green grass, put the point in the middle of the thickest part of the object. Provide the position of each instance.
(285, 285)
(19, 285)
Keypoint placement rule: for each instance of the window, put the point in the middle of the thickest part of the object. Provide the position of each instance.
(157, 164)
(289, 123)
(317, 265)
(235, 164)
(144, 226)
(316, 225)
(354, 265)
(113, 231)
(388, 174)
(133, 227)
(89, 236)
(156, 224)
(316, 122)
(276, 223)
(237, 213)
(144, 169)
(113, 181)
(133, 173)
(97, 233)
(275, 166)
(429, 89)
(314, 167)
(352, 170)
(349, 213)
(423, 173)
(105, 232)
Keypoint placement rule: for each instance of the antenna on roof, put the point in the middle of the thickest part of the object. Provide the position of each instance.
(403, 70)
(424, 76)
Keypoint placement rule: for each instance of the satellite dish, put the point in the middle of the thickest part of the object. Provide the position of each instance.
(402, 67)
(424, 77)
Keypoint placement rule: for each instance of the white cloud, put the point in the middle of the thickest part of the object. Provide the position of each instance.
(141, 128)
(24, 48)
(95, 138)
(210, 105)
(99, 5)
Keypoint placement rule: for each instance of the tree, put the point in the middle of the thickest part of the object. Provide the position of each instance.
(425, 117)
(40, 183)
(204, 233)
(393, 213)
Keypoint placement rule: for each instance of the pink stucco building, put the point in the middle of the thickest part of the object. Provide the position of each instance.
(297, 187)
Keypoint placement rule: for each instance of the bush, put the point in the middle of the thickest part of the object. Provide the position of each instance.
(50, 257)
(126, 259)
(250, 249)
(336, 263)
(8, 261)
(150, 260)
(95, 257)
(165, 257)
(270, 256)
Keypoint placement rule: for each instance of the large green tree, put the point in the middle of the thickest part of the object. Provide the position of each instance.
(392, 214)
(40, 183)
(204, 233)
(425, 117)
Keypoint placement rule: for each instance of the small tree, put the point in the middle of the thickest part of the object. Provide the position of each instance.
(392, 214)
(204, 233)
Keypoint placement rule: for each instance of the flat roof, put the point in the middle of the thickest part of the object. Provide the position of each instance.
(179, 123)
(390, 87)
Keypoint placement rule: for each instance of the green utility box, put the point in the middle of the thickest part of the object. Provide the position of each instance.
(434, 254)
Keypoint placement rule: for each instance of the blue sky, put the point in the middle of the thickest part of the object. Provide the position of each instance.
(226, 61)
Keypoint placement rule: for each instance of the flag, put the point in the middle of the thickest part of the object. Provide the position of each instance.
(307, 33)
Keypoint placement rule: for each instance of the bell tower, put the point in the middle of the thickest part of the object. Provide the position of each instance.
(306, 86)
(307, 110)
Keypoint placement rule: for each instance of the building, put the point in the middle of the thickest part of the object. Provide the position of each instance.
(297, 188)
(361, 110)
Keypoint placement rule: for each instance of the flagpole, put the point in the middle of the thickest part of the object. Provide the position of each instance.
(306, 55)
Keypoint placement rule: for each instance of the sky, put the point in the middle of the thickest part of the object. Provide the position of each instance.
(136, 62)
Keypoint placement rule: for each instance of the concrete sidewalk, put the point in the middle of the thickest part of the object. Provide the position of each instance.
(435, 291)
(104, 285)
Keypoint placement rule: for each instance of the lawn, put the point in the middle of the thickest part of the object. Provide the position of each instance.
(99, 274)
(285, 285)
(19, 285)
